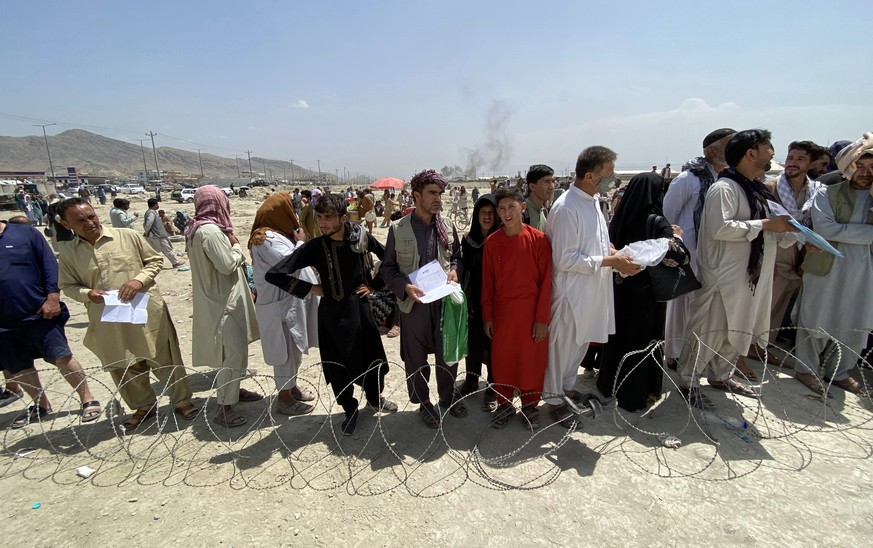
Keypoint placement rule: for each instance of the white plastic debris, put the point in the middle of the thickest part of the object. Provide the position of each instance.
(670, 442)
(85, 471)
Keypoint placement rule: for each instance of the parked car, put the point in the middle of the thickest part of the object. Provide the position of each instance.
(186, 195)
(259, 182)
(131, 189)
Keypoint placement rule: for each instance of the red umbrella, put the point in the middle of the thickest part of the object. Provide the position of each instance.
(388, 182)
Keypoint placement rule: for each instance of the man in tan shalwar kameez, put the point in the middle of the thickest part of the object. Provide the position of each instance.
(103, 259)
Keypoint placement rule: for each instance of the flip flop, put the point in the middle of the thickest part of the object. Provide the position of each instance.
(91, 411)
(33, 413)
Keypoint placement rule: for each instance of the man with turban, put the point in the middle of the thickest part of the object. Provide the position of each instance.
(414, 241)
(832, 309)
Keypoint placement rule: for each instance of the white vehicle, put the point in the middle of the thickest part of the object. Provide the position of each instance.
(186, 195)
(131, 189)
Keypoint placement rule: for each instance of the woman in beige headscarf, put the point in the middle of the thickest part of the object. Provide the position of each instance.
(288, 325)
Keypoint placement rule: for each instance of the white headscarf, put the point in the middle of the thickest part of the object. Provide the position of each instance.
(848, 156)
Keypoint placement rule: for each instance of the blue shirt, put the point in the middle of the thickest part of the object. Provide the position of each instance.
(28, 273)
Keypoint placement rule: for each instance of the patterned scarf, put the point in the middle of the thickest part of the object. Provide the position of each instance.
(210, 207)
(757, 196)
(700, 168)
(788, 198)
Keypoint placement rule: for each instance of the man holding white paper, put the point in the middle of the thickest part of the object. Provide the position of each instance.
(413, 242)
(102, 259)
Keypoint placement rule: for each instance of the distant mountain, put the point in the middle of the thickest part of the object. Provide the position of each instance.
(95, 154)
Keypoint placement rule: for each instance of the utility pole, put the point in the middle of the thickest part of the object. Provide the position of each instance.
(238, 174)
(292, 168)
(249, 152)
(201, 163)
(265, 170)
(155, 151)
(319, 170)
(145, 166)
(284, 174)
(45, 136)
(345, 178)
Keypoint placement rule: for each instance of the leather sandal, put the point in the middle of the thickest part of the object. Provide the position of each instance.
(139, 416)
(188, 411)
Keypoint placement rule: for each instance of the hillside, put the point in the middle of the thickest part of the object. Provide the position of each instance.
(98, 155)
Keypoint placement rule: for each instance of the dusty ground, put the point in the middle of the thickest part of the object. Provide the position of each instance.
(801, 474)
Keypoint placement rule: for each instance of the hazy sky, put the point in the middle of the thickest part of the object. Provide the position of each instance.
(389, 88)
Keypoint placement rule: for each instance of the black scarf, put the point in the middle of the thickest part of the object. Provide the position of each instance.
(757, 196)
(700, 168)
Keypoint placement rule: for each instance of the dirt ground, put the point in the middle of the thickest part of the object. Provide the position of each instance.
(801, 474)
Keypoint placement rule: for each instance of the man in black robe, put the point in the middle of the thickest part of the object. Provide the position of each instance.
(349, 340)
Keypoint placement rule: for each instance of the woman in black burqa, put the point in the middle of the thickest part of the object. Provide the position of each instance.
(639, 318)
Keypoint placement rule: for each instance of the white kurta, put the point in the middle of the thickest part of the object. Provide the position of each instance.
(288, 325)
(725, 313)
(839, 302)
(580, 241)
(583, 310)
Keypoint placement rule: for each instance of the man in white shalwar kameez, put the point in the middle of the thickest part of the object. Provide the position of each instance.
(736, 251)
(834, 315)
(582, 264)
(288, 325)
(683, 205)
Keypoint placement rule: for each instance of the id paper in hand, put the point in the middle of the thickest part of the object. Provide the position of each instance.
(133, 311)
(432, 279)
(806, 235)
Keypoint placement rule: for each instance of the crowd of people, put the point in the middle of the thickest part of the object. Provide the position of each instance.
(551, 281)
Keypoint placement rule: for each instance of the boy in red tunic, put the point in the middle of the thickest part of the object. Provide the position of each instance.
(516, 308)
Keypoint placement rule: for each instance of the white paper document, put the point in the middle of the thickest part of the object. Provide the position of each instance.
(432, 279)
(133, 311)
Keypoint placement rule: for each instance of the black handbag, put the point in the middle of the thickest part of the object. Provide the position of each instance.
(669, 282)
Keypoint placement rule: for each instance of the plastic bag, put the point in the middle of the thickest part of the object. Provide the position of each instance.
(646, 252)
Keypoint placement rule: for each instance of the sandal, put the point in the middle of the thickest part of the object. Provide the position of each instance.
(301, 395)
(734, 387)
(33, 413)
(394, 332)
(848, 384)
(489, 403)
(229, 419)
(91, 411)
(743, 368)
(139, 416)
(531, 416)
(695, 399)
(248, 395)
(500, 417)
(456, 408)
(810, 381)
(294, 408)
(563, 416)
(188, 411)
(429, 415)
